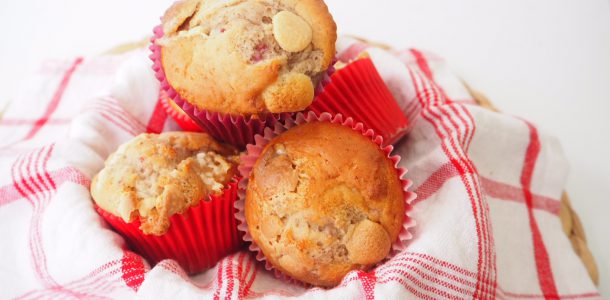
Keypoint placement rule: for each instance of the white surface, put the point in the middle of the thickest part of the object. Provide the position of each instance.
(547, 61)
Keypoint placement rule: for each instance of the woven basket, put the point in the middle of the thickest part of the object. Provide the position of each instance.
(569, 219)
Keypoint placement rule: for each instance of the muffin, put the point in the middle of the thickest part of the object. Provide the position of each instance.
(247, 57)
(155, 176)
(160, 190)
(322, 200)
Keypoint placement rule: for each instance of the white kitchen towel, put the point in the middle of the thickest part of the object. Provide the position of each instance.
(488, 188)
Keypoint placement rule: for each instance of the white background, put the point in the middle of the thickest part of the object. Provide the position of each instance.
(545, 60)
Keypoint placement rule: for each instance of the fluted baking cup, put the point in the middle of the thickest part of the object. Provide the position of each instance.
(177, 114)
(359, 92)
(197, 239)
(253, 151)
(237, 130)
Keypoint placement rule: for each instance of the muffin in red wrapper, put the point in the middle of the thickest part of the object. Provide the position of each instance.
(172, 196)
(177, 114)
(332, 199)
(359, 92)
(236, 69)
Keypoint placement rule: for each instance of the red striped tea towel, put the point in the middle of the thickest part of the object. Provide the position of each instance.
(487, 210)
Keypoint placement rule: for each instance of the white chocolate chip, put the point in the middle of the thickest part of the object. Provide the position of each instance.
(291, 32)
(368, 244)
(291, 92)
(195, 31)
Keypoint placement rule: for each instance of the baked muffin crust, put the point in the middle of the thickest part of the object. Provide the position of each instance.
(247, 56)
(323, 200)
(154, 176)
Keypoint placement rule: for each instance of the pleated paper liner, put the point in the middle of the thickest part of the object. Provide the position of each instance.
(177, 114)
(359, 92)
(254, 150)
(197, 239)
(237, 130)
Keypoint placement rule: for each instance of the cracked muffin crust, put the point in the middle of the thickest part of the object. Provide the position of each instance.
(247, 56)
(323, 200)
(154, 176)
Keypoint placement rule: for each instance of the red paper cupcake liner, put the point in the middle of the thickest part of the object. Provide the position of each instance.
(175, 112)
(254, 151)
(236, 130)
(359, 92)
(197, 239)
